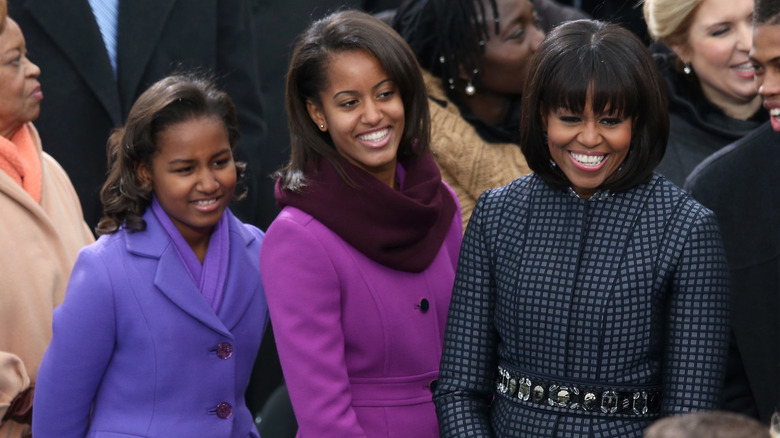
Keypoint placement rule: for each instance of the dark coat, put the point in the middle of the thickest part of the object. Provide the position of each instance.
(625, 290)
(83, 102)
(739, 184)
(697, 128)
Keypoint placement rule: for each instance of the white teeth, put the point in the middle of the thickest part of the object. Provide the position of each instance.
(746, 67)
(774, 112)
(376, 135)
(588, 160)
(205, 202)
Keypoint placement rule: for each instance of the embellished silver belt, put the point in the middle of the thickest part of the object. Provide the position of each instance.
(577, 397)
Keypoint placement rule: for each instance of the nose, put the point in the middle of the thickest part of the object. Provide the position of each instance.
(207, 181)
(745, 37)
(32, 70)
(372, 113)
(537, 36)
(769, 83)
(589, 136)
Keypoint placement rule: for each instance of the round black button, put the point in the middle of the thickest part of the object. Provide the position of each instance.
(432, 386)
(424, 305)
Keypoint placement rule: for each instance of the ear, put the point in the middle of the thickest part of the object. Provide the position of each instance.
(317, 116)
(682, 51)
(144, 175)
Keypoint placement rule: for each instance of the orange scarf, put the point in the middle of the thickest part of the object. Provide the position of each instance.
(20, 160)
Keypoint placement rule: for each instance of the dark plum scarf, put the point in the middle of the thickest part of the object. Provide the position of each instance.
(402, 229)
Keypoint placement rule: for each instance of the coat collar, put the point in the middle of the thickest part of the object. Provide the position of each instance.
(172, 280)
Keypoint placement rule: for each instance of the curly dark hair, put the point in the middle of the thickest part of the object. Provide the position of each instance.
(307, 75)
(588, 58)
(175, 99)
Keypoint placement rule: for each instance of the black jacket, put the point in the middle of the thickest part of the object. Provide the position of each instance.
(697, 128)
(739, 184)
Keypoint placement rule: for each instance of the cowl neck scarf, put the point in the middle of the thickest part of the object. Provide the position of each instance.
(402, 229)
(209, 277)
(20, 160)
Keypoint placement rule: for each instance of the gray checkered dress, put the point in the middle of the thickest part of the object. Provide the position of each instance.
(620, 291)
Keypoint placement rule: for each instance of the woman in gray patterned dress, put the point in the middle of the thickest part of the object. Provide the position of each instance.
(591, 295)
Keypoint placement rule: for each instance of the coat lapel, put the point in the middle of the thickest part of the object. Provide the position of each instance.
(243, 277)
(83, 45)
(171, 277)
(141, 23)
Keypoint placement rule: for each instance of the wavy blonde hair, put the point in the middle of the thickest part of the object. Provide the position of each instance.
(669, 21)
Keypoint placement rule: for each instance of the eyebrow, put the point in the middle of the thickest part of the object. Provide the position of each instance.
(188, 161)
(354, 91)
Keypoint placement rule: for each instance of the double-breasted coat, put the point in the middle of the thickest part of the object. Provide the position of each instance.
(625, 292)
(138, 351)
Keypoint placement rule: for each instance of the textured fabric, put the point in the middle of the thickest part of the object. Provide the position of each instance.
(359, 342)
(20, 160)
(469, 164)
(137, 351)
(402, 229)
(623, 290)
(739, 184)
(697, 128)
(40, 243)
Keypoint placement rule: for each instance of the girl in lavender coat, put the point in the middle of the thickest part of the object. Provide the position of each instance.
(164, 314)
(359, 265)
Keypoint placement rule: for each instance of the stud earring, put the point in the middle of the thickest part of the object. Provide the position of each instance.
(322, 127)
(687, 69)
(470, 90)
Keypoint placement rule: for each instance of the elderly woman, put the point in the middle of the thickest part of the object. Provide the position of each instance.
(591, 296)
(703, 55)
(43, 229)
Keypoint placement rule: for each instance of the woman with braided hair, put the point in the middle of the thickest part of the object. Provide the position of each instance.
(475, 57)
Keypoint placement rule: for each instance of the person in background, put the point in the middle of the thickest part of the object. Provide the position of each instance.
(475, 56)
(707, 424)
(164, 314)
(737, 184)
(703, 54)
(358, 266)
(98, 56)
(591, 296)
(42, 232)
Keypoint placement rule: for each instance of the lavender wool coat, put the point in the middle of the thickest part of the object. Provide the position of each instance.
(359, 342)
(136, 342)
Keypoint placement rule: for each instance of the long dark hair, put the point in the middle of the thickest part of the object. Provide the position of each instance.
(587, 58)
(307, 76)
(173, 100)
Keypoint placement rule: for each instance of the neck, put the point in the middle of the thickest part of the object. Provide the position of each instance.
(198, 241)
(740, 110)
(489, 107)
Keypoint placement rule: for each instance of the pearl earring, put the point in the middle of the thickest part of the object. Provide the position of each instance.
(687, 69)
(470, 89)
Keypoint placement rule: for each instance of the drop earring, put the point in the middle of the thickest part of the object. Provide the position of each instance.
(687, 69)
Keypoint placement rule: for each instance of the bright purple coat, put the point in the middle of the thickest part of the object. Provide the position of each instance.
(359, 342)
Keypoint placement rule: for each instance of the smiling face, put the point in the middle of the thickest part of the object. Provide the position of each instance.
(765, 56)
(717, 48)
(363, 112)
(587, 147)
(193, 175)
(506, 60)
(20, 92)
